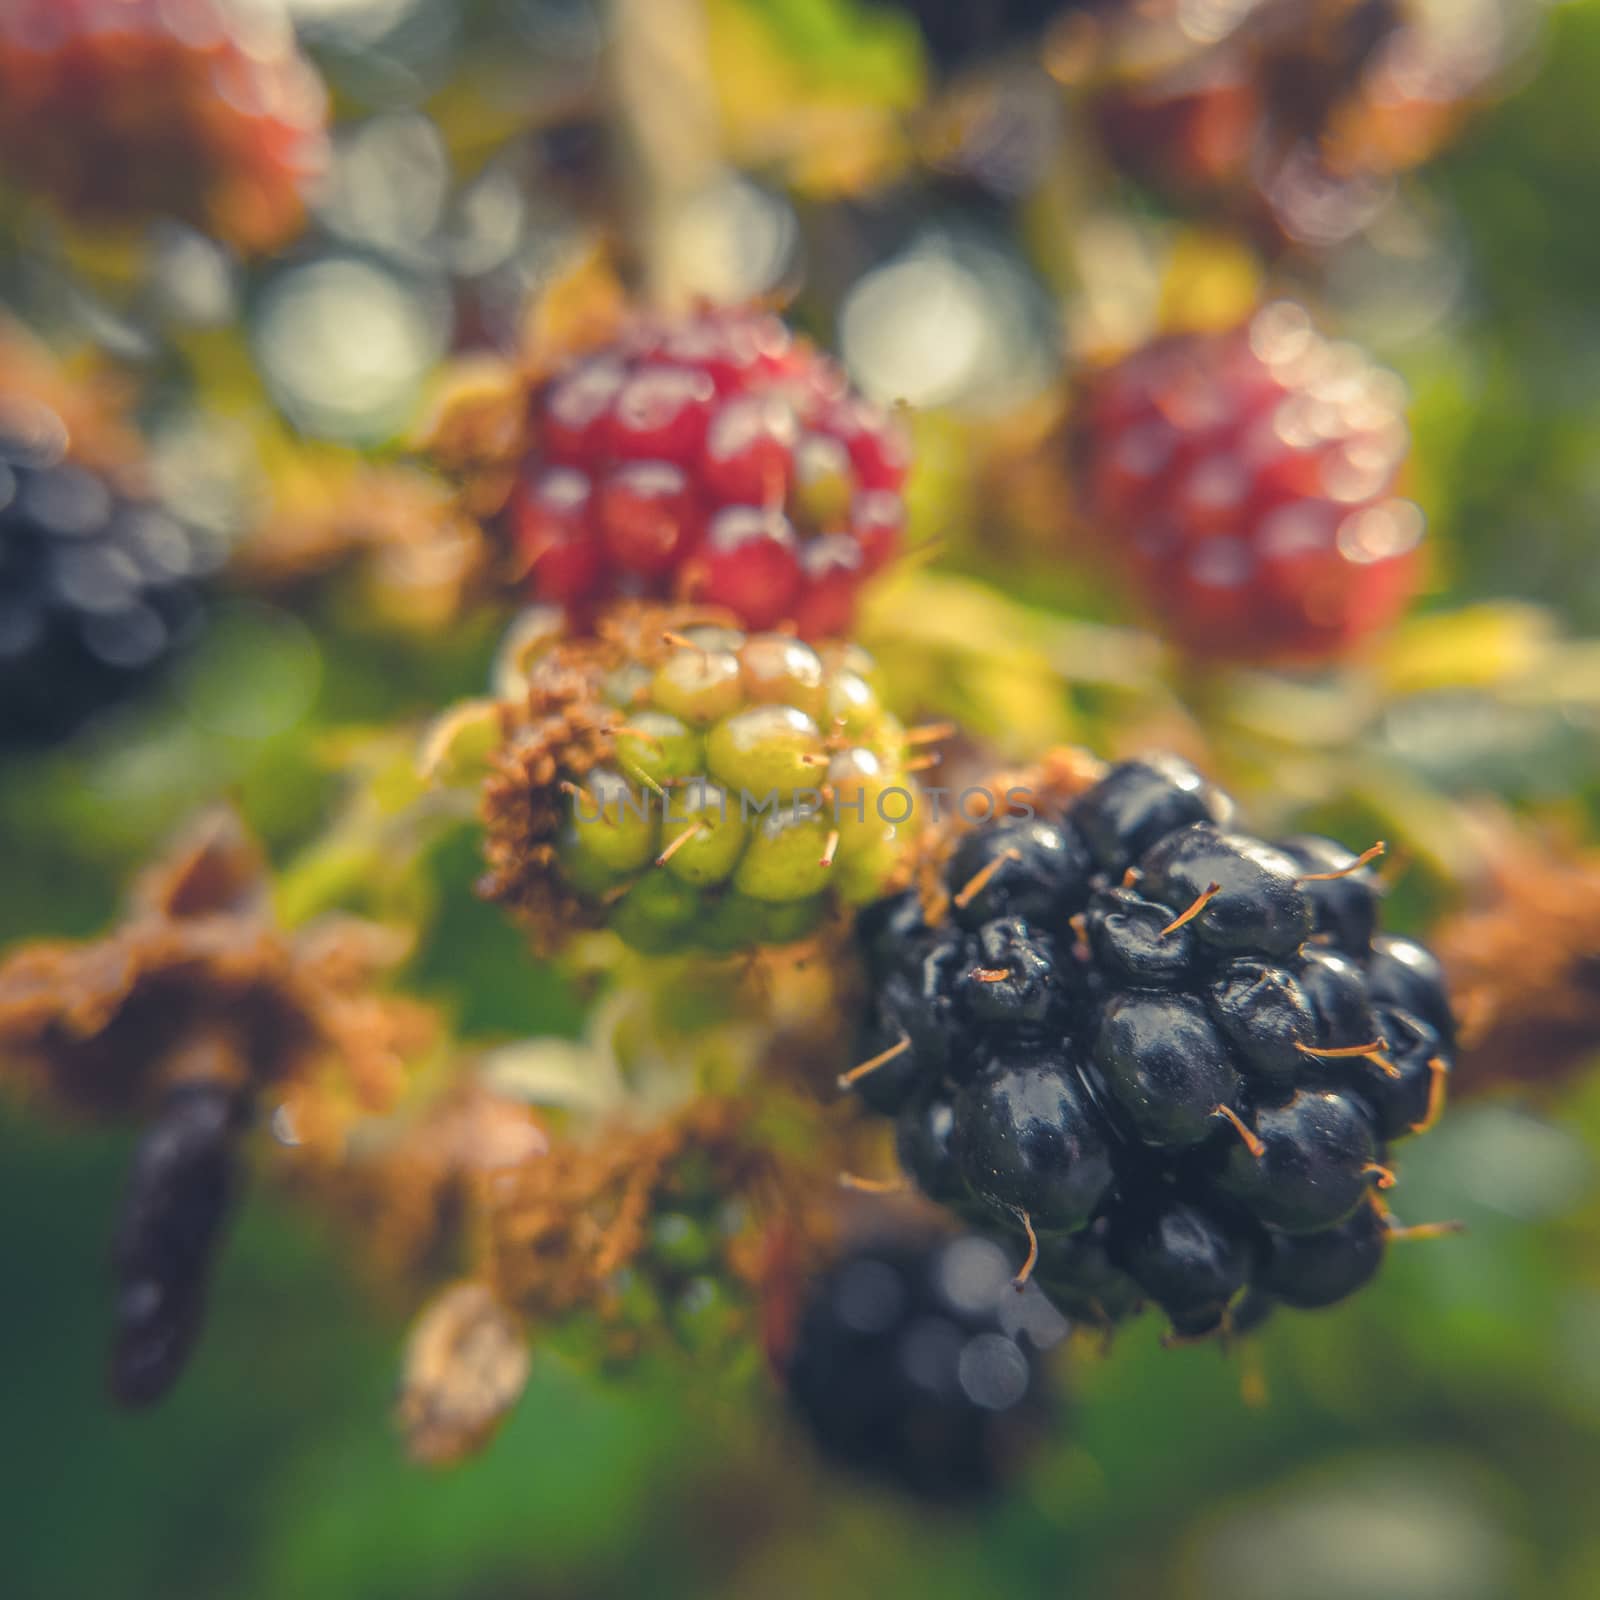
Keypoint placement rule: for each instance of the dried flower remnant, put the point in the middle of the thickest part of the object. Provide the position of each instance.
(184, 1015)
(1524, 965)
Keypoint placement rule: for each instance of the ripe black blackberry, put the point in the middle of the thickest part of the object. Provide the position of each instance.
(914, 1364)
(1163, 1058)
(98, 589)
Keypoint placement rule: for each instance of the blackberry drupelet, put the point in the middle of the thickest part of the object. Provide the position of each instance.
(98, 590)
(1170, 1065)
(913, 1363)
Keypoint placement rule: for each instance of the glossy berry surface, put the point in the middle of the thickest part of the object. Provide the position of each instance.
(1246, 483)
(1183, 1093)
(126, 110)
(716, 458)
(98, 591)
(915, 1364)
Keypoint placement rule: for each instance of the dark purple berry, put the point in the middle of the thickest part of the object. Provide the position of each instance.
(922, 1133)
(1337, 989)
(1016, 980)
(1019, 868)
(1266, 1017)
(1077, 1273)
(1344, 910)
(1317, 1163)
(1165, 1067)
(1138, 803)
(1028, 1139)
(1257, 906)
(1405, 975)
(1129, 939)
(1188, 1258)
(1404, 1085)
(1311, 1270)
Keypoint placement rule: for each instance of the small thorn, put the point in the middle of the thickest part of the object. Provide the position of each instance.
(924, 763)
(990, 974)
(1253, 1378)
(979, 881)
(1384, 1175)
(1343, 1051)
(681, 641)
(678, 843)
(1384, 1064)
(849, 1079)
(1245, 1132)
(1131, 877)
(1201, 901)
(1424, 1230)
(1025, 1271)
(931, 733)
(831, 848)
(849, 1180)
(1366, 858)
(1438, 1073)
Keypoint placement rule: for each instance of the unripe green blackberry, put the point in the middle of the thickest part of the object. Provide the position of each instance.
(694, 786)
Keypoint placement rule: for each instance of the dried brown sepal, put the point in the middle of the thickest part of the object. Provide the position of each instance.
(97, 1025)
(1049, 785)
(558, 732)
(559, 1229)
(466, 1364)
(1524, 965)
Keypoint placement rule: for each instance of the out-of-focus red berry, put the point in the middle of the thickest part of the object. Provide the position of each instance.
(124, 110)
(1246, 484)
(726, 460)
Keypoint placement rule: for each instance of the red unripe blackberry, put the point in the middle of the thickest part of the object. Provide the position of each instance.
(122, 110)
(1245, 484)
(716, 458)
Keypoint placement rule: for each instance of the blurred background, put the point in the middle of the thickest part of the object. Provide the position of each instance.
(944, 209)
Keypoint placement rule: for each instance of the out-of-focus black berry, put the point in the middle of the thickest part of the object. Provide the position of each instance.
(1188, 1258)
(1315, 1166)
(1022, 868)
(179, 1193)
(1344, 910)
(1258, 907)
(1266, 1017)
(905, 1369)
(1128, 939)
(1337, 990)
(1138, 803)
(964, 33)
(1310, 1270)
(1029, 1139)
(1016, 981)
(1165, 1067)
(97, 591)
(1408, 977)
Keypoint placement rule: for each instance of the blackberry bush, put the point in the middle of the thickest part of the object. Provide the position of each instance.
(1168, 1055)
(913, 1364)
(99, 588)
(715, 458)
(693, 785)
(124, 110)
(1245, 482)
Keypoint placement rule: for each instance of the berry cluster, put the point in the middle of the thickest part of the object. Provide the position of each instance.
(121, 110)
(913, 1363)
(1172, 1055)
(1300, 112)
(1245, 483)
(97, 590)
(715, 459)
(696, 786)
(180, 1191)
